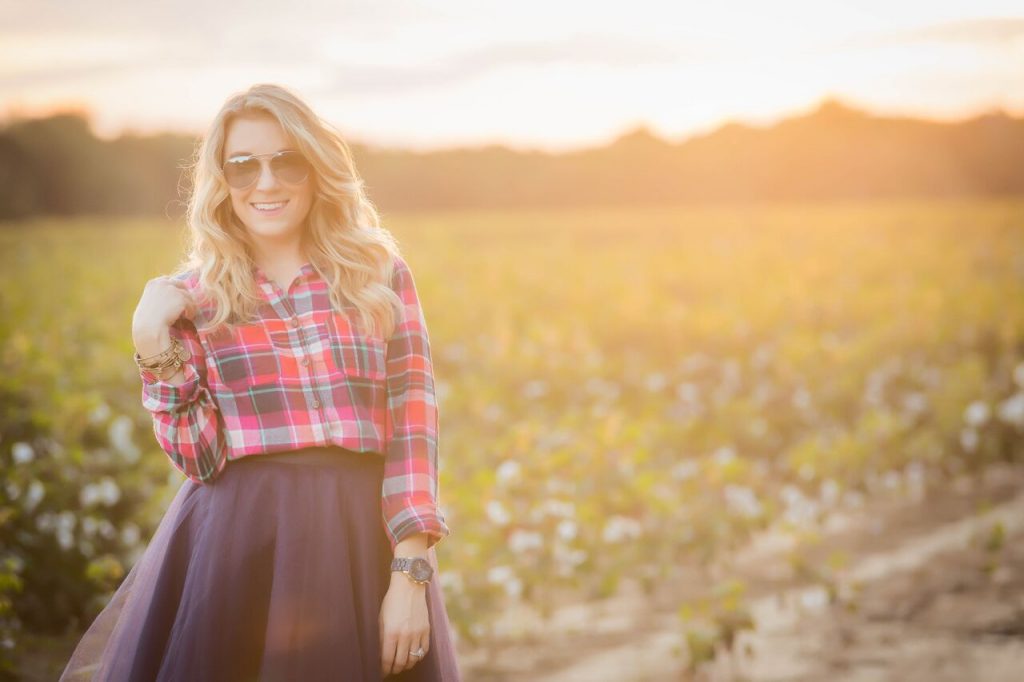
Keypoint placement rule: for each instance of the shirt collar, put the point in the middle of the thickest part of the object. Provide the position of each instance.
(306, 270)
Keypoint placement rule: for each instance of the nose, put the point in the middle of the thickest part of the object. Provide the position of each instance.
(267, 179)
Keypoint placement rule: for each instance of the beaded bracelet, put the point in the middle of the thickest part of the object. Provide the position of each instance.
(175, 357)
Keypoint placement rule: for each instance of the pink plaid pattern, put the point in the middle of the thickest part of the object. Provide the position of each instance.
(300, 376)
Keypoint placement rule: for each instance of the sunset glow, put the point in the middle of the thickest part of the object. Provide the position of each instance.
(536, 74)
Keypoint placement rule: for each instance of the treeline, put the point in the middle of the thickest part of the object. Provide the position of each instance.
(56, 166)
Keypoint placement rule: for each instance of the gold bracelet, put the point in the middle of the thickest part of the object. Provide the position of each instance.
(175, 356)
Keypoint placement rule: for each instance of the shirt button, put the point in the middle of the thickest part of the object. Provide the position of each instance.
(305, 362)
(316, 403)
(295, 322)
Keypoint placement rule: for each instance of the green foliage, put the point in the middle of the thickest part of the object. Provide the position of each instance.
(713, 622)
(621, 392)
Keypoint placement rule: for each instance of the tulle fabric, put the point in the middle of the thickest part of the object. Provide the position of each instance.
(273, 572)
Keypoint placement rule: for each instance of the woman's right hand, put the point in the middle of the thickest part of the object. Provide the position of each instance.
(163, 301)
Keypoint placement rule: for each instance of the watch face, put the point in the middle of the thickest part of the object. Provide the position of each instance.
(420, 569)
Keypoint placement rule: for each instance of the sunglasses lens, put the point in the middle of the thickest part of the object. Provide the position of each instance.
(291, 167)
(241, 173)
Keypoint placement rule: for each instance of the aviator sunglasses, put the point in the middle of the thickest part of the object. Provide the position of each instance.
(288, 166)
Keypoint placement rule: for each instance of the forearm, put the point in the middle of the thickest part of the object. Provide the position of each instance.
(414, 545)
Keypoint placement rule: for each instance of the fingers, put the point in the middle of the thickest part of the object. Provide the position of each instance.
(405, 645)
(425, 643)
(388, 647)
(395, 652)
(190, 299)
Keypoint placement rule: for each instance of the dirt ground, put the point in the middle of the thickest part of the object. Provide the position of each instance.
(940, 597)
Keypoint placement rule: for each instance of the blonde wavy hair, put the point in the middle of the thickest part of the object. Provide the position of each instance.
(344, 240)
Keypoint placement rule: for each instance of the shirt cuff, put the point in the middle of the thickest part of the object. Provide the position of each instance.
(430, 522)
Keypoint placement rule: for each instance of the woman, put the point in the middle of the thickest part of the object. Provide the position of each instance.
(287, 368)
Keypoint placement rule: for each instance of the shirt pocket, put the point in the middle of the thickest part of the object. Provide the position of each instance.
(355, 354)
(245, 356)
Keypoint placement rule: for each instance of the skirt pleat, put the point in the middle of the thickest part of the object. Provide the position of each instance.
(273, 572)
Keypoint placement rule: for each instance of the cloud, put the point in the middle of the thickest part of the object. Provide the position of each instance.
(991, 32)
(580, 50)
(987, 31)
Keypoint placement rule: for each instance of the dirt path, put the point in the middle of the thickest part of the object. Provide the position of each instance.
(927, 609)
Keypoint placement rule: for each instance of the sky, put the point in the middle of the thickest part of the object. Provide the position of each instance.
(550, 75)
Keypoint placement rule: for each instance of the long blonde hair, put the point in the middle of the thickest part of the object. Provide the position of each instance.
(346, 244)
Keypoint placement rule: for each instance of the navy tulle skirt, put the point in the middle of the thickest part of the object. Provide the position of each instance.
(274, 572)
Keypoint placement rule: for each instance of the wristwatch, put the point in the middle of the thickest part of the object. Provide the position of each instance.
(417, 569)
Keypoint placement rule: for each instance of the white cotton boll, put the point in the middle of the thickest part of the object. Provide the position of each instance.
(88, 494)
(455, 352)
(977, 413)
(621, 528)
(508, 471)
(1011, 410)
(525, 540)
(561, 508)
(514, 588)
(790, 494)
(969, 439)
(915, 403)
(451, 582)
(688, 392)
(724, 455)
(22, 453)
(892, 480)
(493, 413)
(99, 413)
(829, 492)
(655, 382)
(108, 491)
(46, 521)
(89, 526)
(534, 389)
(814, 599)
(35, 494)
(688, 468)
(497, 575)
(743, 501)
(800, 510)
(762, 356)
(497, 513)
(567, 558)
(120, 435)
(65, 526)
(567, 530)
(65, 538)
(801, 399)
(130, 535)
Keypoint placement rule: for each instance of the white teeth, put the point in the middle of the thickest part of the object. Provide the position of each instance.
(270, 207)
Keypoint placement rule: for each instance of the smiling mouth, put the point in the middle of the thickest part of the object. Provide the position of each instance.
(268, 207)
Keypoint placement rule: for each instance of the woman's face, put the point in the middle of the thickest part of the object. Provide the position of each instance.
(262, 134)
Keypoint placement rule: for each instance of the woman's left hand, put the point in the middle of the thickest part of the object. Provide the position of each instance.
(404, 624)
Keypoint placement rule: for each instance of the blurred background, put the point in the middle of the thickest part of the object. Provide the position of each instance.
(726, 307)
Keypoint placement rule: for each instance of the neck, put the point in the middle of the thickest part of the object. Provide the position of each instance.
(285, 255)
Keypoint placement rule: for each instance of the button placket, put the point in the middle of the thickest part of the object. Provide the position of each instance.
(305, 360)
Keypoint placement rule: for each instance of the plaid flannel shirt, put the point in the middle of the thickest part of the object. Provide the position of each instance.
(302, 375)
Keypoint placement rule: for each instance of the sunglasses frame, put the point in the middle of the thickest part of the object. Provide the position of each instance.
(238, 160)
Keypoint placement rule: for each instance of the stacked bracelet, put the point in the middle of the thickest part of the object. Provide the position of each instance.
(175, 357)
